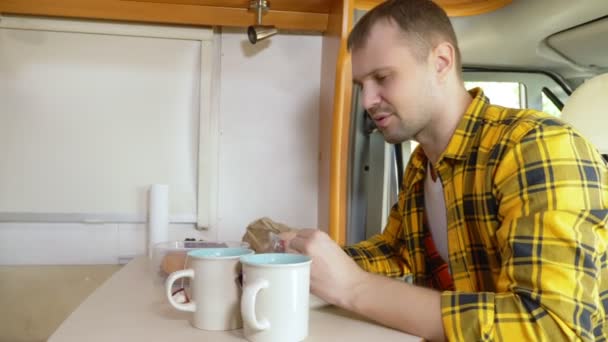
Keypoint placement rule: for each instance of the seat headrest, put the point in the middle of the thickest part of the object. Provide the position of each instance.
(587, 111)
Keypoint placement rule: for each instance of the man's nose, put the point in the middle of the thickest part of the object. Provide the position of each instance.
(369, 98)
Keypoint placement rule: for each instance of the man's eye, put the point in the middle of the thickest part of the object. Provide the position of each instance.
(381, 78)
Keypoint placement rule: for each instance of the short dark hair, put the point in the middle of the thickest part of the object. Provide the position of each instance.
(423, 21)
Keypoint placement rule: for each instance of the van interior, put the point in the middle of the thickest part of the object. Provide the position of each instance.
(101, 99)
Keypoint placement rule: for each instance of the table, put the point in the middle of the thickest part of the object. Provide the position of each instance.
(130, 306)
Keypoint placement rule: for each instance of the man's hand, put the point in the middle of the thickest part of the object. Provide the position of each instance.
(333, 274)
(337, 279)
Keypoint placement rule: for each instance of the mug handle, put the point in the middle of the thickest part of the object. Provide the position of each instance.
(190, 307)
(250, 293)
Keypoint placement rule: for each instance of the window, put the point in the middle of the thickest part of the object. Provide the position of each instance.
(506, 94)
(519, 89)
(549, 107)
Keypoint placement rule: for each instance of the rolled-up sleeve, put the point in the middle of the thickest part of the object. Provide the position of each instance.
(381, 253)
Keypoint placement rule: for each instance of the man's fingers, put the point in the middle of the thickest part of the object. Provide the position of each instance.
(297, 244)
(304, 239)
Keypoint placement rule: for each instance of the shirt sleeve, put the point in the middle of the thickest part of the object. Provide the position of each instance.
(552, 198)
(381, 253)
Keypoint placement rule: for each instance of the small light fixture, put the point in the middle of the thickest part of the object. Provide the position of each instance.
(260, 32)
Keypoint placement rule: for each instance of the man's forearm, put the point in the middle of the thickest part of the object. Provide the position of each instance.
(372, 256)
(399, 305)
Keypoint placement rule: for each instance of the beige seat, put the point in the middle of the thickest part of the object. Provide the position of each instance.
(587, 111)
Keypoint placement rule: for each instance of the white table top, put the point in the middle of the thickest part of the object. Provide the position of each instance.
(130, 306)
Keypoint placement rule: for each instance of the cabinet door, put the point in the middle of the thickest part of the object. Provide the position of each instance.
(286, 14)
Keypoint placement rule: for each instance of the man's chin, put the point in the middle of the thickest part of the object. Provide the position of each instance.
(393, 139)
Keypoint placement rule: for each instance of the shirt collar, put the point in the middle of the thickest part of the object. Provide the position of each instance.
(462, 140)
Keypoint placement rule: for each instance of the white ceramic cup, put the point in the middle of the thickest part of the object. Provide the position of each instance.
(215, 287)
(275, 300)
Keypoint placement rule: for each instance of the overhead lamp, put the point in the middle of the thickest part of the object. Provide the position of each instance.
(260, 32)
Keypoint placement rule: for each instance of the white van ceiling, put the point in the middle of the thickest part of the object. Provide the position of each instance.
(517, 36)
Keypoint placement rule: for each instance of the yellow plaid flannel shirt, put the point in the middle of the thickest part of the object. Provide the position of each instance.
(526, 199)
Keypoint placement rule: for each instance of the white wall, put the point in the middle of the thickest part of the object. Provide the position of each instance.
(268, 159)
(269, 143)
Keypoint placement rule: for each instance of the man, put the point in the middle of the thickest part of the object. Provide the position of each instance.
(514, 246)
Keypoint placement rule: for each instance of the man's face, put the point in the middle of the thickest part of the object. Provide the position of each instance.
(397, 89)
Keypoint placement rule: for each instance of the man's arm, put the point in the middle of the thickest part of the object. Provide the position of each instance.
(380, 253)
(338, 280)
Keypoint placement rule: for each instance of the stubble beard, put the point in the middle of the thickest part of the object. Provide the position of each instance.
(399, 134)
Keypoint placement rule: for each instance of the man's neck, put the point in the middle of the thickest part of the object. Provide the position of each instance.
(434, 139)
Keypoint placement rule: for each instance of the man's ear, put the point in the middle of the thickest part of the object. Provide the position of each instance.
(444, 56)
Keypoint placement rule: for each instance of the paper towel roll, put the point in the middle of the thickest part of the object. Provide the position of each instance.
(158, 215)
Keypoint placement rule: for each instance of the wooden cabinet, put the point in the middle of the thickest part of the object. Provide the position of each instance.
(454, 8)
(313, 6)
(309, 15)
(284, 14)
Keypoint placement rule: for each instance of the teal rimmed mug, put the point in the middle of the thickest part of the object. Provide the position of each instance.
(275, 299)
(215, 287)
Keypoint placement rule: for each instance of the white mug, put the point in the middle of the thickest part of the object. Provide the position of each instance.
(275, 300)
(215, 287)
